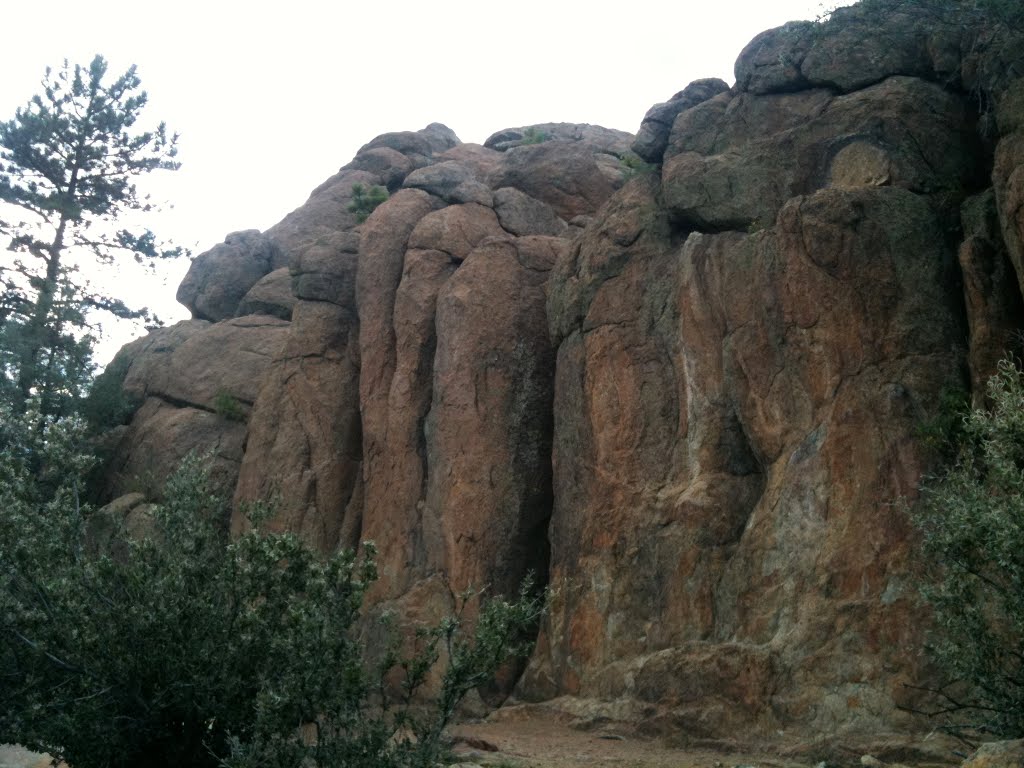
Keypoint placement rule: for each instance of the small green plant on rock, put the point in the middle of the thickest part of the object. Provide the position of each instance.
(227, 406)
(365, 201)
(634, 165)
(534, 136)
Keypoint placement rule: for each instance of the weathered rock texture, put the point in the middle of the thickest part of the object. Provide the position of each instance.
(687, 398)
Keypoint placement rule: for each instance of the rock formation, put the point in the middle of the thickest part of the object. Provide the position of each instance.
(686, 397)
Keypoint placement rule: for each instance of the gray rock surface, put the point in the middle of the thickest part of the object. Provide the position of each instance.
(220, 277)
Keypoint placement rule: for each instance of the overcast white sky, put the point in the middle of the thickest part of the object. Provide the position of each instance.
(271, 99)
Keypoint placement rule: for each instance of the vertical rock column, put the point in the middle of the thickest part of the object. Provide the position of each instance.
(398, 285)
(489, 428)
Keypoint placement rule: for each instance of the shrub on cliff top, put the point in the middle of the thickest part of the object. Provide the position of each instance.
(972, 521)
(188, 649)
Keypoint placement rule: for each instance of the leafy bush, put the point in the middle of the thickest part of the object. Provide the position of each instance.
(364, 201)
(634, 165)
(107, 404)
(534, 136)
(187, 648)
(943, 433)
(228, 407)
(972, 521)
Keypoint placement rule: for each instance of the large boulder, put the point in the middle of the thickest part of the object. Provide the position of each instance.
(599, 139)
(218, 279)
(271, 295)
(483, 161)
(387, 164)
(161, 434)
(455, 230)
(903, 132)
(196, 383)
(419, 146)
(569, 176)
(147, 360)
(325, 271)
(956, 45)
(853, 49)
(227, 359)
(652, 138)
(521, 214)
(451, 181)
(192, 363)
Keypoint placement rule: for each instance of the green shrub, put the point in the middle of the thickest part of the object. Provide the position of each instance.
(188, 648)
(634, 165)
(534, 136)
(365, 201)
(228, 407)
(942, 435)
(107, 404)
(972, 524)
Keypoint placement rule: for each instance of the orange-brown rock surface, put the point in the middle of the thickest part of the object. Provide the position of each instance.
(688, 397)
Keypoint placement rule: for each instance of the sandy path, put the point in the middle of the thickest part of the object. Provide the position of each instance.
(547, 743)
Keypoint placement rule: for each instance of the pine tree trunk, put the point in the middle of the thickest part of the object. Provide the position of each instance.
(38, 324)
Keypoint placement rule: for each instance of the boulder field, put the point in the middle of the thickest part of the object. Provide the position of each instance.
(680, 375)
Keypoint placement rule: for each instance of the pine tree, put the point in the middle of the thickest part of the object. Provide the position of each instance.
(69, 161)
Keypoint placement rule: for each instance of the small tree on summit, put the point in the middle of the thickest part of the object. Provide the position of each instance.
(68, 164)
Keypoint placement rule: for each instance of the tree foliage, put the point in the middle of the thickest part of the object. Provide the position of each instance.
(972, 520)
(365, 201)
(69, 162)
(178, 646)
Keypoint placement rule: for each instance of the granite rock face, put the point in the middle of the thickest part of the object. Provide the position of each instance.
(196, 382)
(747, 343)
(686, 395)
(219, 278)
(734, 423)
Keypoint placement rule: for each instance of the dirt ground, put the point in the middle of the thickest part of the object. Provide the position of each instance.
(533, 745)
(529, 745)
(536, 736)
(536, 742)
(532, 738)
(16, 757)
